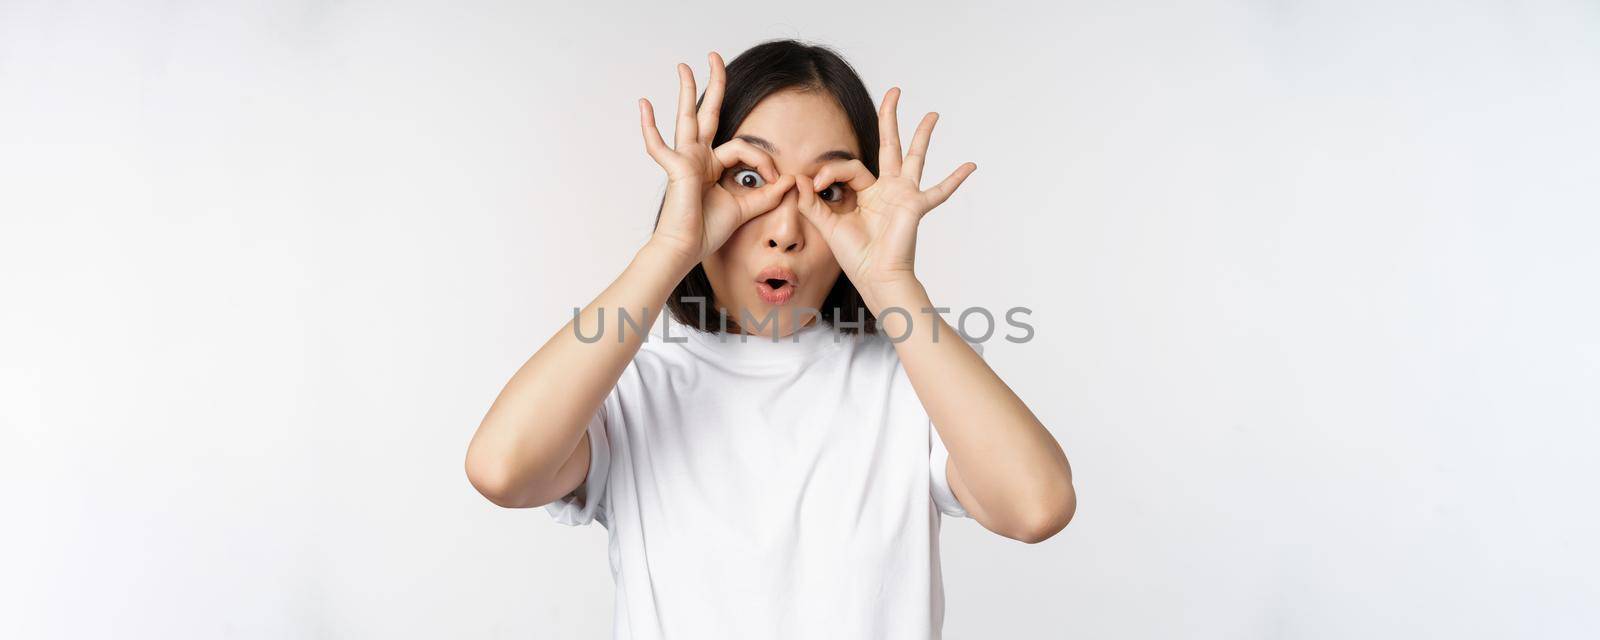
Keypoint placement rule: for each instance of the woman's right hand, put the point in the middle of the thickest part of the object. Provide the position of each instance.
(700, 212)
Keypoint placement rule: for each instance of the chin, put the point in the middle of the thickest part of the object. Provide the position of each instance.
(785, 317)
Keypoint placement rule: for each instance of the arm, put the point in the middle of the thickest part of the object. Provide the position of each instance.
(532, 446)
(1004, 466)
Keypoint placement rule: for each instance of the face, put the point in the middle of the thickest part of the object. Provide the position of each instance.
(778, 262)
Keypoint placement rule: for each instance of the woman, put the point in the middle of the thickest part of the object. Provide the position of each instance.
(758, 487)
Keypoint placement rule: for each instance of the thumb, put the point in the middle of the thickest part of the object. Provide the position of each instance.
(812, 207)
(764, 199)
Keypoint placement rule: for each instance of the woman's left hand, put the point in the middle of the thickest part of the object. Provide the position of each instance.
(875, 243)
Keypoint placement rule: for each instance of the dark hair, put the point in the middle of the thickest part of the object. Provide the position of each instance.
(760, 71)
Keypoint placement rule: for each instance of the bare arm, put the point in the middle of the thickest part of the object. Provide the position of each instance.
(532, 446)
(1004, 466)
(1007, 470)
(534, 428)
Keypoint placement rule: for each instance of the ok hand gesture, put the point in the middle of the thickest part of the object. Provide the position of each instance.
(699, 214)
(875, 244)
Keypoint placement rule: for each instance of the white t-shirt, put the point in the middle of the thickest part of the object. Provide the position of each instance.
(767, 490)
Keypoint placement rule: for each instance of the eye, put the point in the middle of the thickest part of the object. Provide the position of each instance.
(834, 193)
(749, 179)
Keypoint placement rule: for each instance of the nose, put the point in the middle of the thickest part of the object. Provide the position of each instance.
(783, 229)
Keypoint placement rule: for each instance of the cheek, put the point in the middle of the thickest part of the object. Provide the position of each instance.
(824, 266)
(819, 259)
(817, 244)
(746, 230)
(726, 262)
(734, 253)
(716, 265)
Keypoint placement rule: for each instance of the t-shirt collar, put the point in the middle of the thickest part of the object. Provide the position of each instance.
(801, 344)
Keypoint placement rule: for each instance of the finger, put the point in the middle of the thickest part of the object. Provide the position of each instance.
(889, 134)
(938, 193)
(764, 199)
(711, 104)
(735, 151)
(685, 131)
(850, 172)
(813, 208)
(918, 153)
(653, 144)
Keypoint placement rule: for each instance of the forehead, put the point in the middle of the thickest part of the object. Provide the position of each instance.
(800, 125)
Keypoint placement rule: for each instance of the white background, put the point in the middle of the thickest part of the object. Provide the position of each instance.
(1313, 283)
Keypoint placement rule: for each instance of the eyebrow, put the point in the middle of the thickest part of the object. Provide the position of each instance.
(761, 143)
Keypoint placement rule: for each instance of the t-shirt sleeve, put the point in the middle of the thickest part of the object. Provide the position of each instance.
(943, 496)
(939, 481)
(586, 503)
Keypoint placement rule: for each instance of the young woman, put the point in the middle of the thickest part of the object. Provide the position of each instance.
(775, 461)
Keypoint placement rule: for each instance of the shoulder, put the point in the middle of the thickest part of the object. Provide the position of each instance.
(882, 345)
(667, 358)
(662, 354)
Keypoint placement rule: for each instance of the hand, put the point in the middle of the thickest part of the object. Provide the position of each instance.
(875, 243)
(699, 213)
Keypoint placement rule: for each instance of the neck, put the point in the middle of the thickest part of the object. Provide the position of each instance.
(772, 323)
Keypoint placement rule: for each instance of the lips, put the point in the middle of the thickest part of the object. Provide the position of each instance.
(776, 285)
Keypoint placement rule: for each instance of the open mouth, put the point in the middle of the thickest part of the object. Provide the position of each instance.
(776, 285)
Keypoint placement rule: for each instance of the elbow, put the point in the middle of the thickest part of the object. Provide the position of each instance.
(1050, 517)
(493, 481)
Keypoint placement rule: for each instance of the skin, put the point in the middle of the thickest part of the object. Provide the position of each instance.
(798, 126)
(823, 219)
